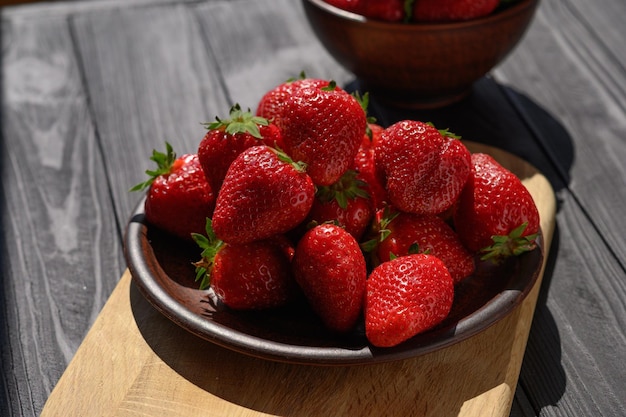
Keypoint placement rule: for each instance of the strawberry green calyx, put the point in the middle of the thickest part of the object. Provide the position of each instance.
(349, 187)
(301, 76)
(210, 246)
(380, 230)
(164, 162)
(239, 122)
(332, 85)
(445, 132)
(364, 101)
(513, 244)
(283, 157)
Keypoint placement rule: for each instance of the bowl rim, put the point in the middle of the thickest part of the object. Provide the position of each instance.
(515, 9)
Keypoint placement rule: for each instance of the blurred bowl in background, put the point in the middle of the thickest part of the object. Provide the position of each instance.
(418, 65)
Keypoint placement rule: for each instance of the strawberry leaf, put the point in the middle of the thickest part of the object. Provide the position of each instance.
(164, 163)
(369, 245)
(414, 248)
(380, 230)
(210, 245)
(299, 166)
(239, 122)
(332, 85)
(513, 244)
(348, 188)
(445, 132)
(364, 101)
(301, 76)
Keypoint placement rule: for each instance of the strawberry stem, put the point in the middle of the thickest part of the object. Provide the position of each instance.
(210, 245)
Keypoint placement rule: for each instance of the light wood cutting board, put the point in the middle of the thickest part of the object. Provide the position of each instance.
(135, 362)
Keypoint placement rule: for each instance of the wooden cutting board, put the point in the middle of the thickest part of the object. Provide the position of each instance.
(135, 362)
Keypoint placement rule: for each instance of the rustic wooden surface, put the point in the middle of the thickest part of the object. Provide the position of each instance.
(89, 88)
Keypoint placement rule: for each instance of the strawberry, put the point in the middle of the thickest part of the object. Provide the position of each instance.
(365, 166)
(226, 139)
(323, 127)
(452, 10)
(354, 6)
(330, 269)
(179, 199)
(410, 233)
(495, 214)
(386, 10)
(345, 202)
(424, 168)
(271, 105)
(252, 276)
(406, 296)
(263, 194)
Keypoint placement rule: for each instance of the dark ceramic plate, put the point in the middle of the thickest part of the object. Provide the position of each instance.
(162, 268)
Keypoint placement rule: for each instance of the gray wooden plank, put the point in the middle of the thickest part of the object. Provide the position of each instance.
(282, 46)
(575, 361)
(60, 248)
(150, 80)
(583, 84)
(60, 9)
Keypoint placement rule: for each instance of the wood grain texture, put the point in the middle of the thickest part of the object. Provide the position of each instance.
(583, 309)
(149, 80)
(595, 81)
(60, 251)
(166, 371)
(282, 47)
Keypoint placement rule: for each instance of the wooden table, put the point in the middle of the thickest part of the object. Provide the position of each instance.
(90, 88)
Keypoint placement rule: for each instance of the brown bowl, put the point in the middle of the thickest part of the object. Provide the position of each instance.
(162, 268)
(417, 64)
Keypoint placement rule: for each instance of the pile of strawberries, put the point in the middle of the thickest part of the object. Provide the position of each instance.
(425, 11)
(307, 197)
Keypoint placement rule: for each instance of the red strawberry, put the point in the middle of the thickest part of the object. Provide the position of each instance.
(387, 10)
(365, 166)
(406, 296)
(226, 139)
(252, 276)
(264, 194)
(323, 127)
(425, 169)
(452, 10)
(495, 213)
(410, 233)
(179, 198)
(330, 268)
(273, 102)
(345, 203)
(354, 6)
